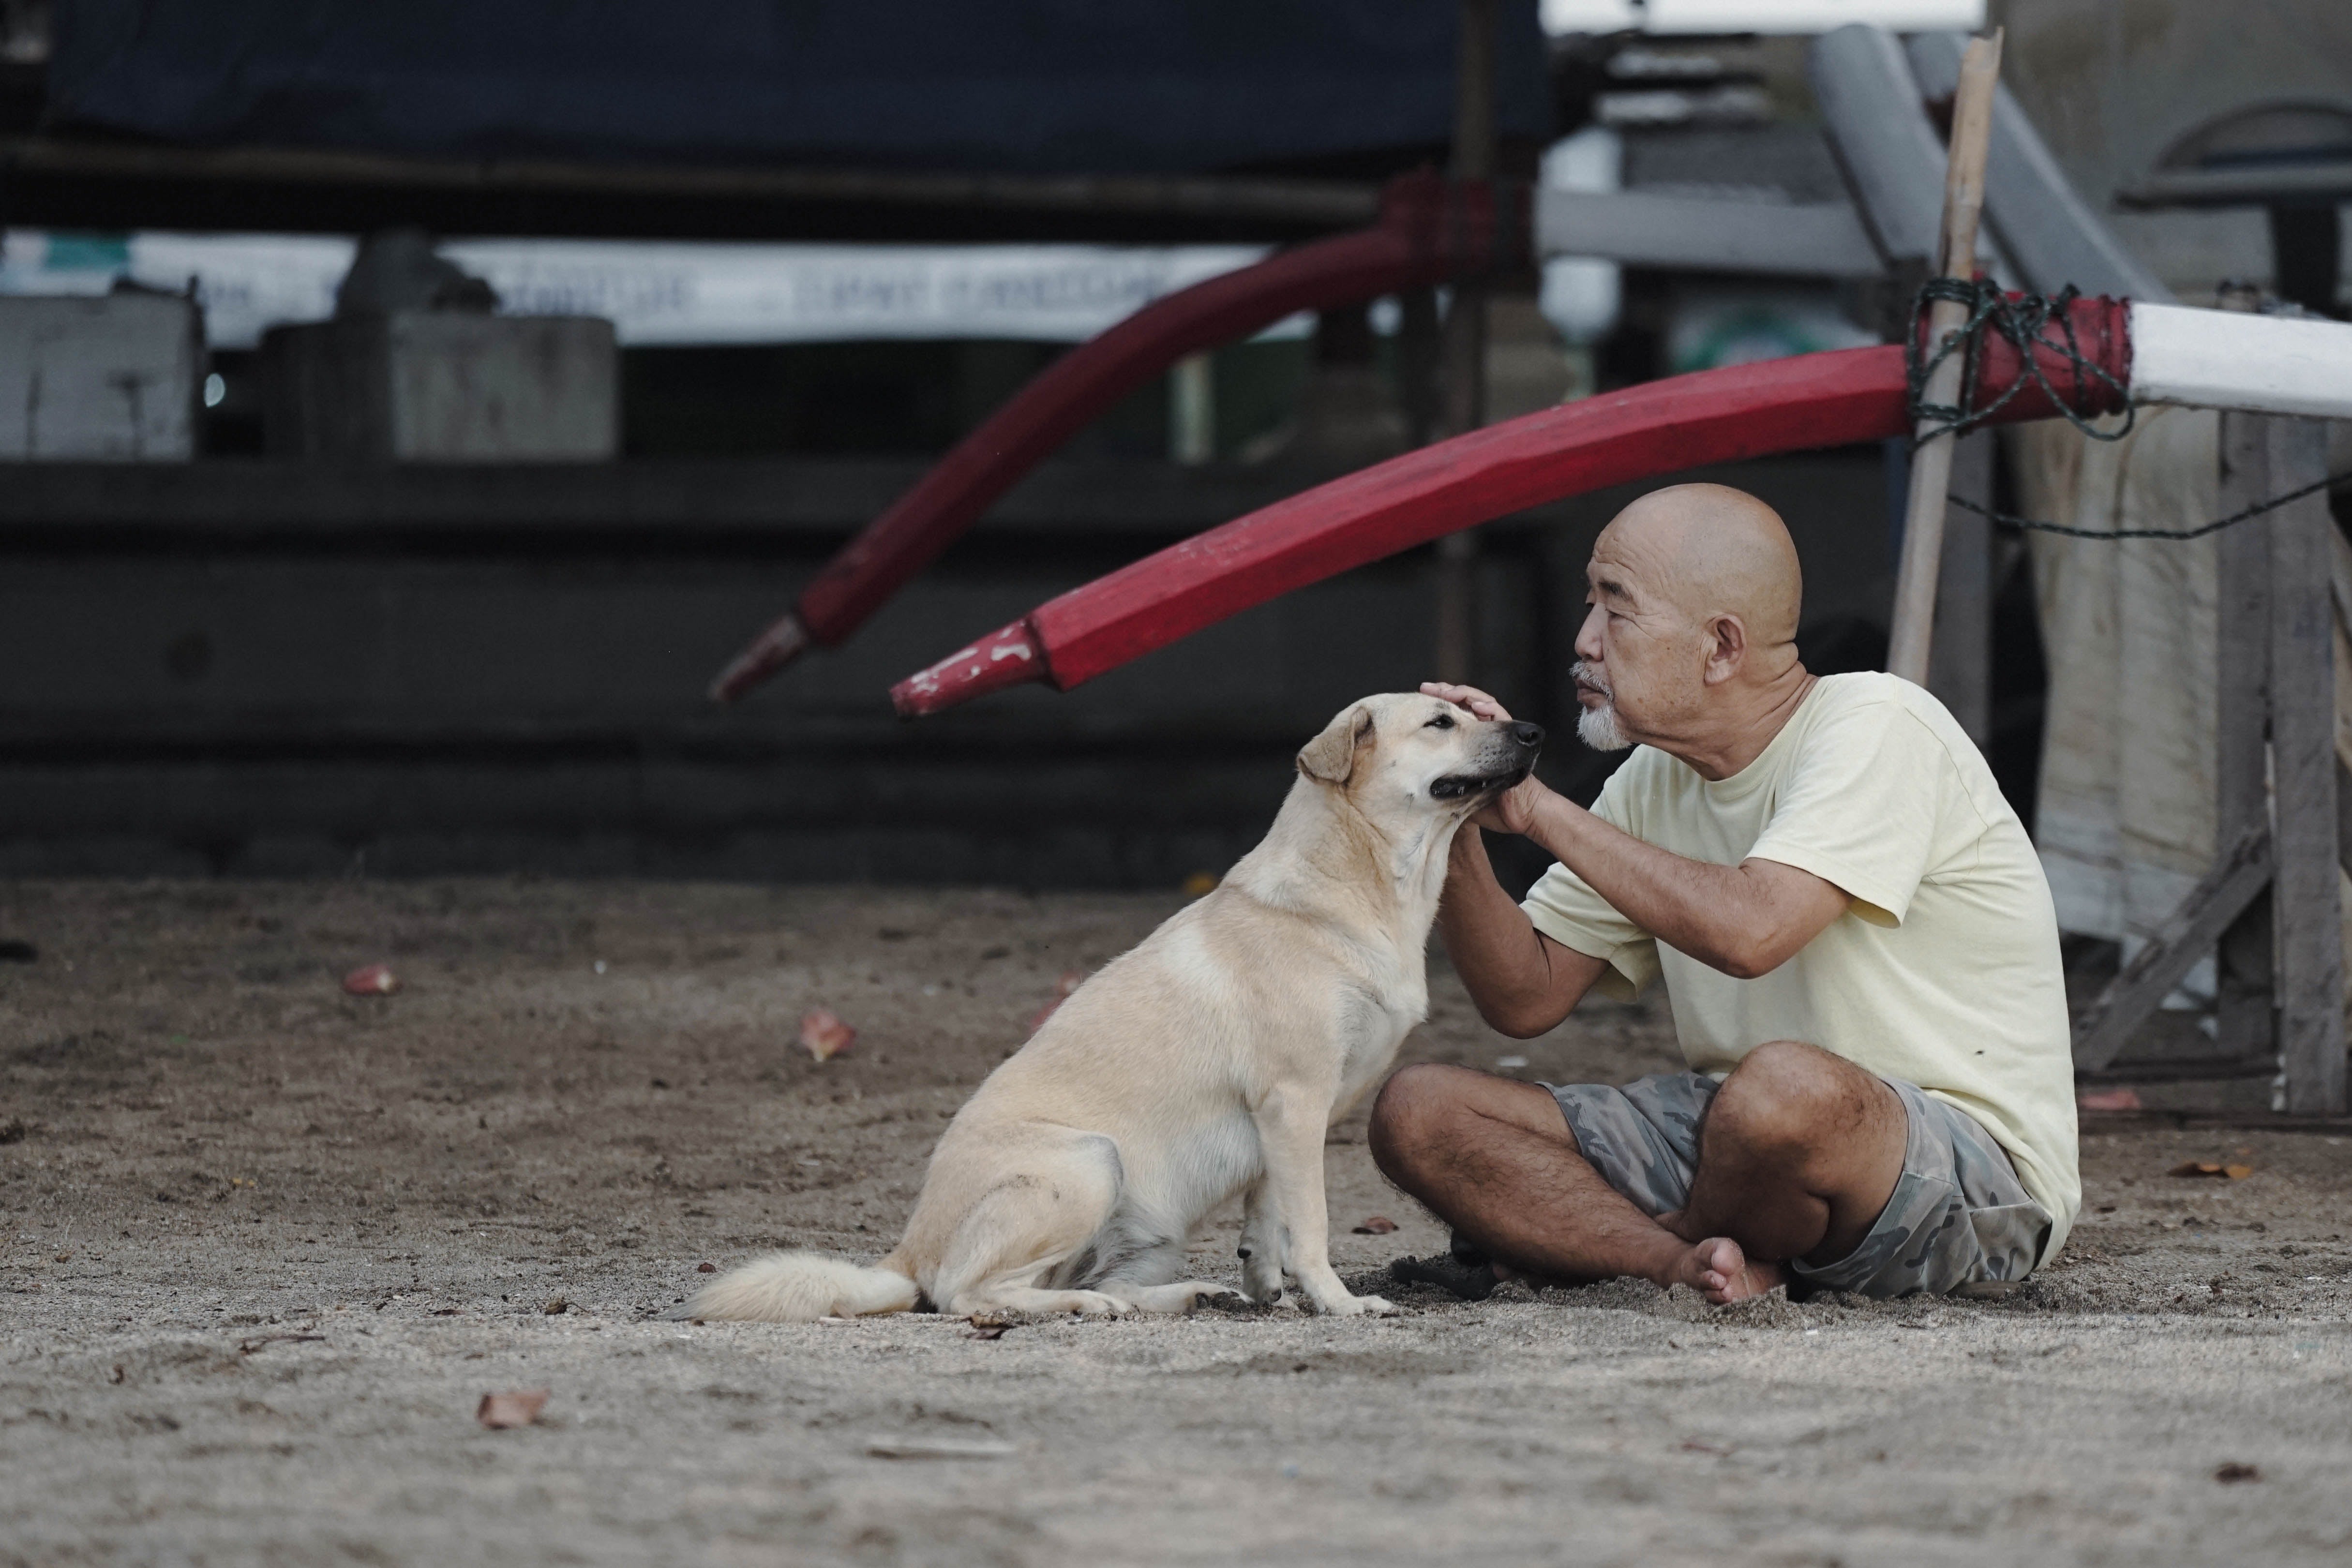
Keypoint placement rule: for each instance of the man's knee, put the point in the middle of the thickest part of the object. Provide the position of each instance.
(1785, 1099)
(1412, 1111)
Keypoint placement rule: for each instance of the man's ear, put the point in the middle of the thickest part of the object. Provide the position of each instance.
(1330, 757)
(1727, 648)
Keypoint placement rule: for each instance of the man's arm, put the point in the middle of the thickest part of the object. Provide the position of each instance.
(1746, 920)
(1523, 982)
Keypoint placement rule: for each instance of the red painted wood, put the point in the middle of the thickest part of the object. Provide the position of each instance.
(1659, 428)
(1005, 657)
(1429, 231)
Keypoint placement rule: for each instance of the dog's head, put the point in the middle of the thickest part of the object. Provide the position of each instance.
(1401, 755)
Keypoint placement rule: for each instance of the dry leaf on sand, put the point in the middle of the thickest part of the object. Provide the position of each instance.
(371, 980)
(515, 1407)
(938, 1448)
(1378, 1225)
(822, 1034)
(2211, 1168)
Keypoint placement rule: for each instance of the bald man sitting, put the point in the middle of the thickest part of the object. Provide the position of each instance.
(1856, 941)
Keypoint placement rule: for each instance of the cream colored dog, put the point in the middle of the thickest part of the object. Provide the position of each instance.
(1207, 1061)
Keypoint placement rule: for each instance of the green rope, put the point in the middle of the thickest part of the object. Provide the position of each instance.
(2214, 526)
(2024, 322)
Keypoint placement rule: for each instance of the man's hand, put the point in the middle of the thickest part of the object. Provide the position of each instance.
(1513, 811)
(1746, 920)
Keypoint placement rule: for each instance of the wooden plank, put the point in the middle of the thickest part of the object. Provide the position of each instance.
(2049, 230)
(226, 501)
(1892, 160)
(2242, 571)
(2185, 935)
(2324, 183)
(1772, 239)
(2208, 1068)
(2344, 816)
(2305, 903)
(1960, 656)
(67, 182)
(2221, 359)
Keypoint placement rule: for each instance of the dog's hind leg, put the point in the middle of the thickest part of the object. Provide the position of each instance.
(1057, 1191)
(1181, 1297)
(1146, 1283)
(1025, 1299)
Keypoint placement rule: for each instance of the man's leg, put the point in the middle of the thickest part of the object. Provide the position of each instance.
(1800, 1151)
(1798, 1154)
(1493, 1157)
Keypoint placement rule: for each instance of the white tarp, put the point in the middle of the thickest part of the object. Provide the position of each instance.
(658, 293)
(2126, 812)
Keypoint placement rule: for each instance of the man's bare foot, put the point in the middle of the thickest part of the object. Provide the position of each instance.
(1721, 1271)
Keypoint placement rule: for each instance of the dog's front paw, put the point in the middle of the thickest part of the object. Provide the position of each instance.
(1357, 1307)
(1261, 1280)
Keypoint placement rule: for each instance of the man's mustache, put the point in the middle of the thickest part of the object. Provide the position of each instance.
(1590, 677)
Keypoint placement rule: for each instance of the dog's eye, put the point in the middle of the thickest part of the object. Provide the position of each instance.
(1443, 721)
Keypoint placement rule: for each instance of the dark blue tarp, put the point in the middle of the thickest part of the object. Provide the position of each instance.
(1103, 85)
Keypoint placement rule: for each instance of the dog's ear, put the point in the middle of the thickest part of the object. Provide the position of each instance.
(1330, 757)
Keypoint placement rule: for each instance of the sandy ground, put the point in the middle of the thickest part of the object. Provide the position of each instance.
(267, 1246)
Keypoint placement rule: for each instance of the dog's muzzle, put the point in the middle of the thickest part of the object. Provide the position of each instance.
(1521, 742)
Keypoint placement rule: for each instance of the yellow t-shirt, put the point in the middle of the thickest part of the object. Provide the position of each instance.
(1944, 969)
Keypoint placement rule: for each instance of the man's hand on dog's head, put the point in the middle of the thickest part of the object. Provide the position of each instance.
(1513, 811)
(1480, 705)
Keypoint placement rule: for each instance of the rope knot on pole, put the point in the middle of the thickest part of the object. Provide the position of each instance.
(2035, 334)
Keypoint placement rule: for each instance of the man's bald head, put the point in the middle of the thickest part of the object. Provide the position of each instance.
(1693, 632)
(1711, 550)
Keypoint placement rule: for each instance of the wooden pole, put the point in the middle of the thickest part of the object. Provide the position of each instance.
(1931, 464)
(1959, 665)
(1464, 349)
(2304, 902)
(2242, 714)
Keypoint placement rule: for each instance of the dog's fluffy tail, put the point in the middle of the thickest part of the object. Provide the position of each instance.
(799, 1288)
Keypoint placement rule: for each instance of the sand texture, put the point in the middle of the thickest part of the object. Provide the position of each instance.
(268, 1245)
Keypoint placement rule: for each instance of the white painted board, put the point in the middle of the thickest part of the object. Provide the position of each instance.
(2227, 358)
(111, 378)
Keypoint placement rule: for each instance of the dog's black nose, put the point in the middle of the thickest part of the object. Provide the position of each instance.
(1527, 734)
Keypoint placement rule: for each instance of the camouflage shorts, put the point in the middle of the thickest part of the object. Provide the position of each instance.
(1957, 1216)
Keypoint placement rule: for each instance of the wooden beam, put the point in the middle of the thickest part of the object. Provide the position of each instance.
(1959, 653)
(2304, 900)
(2186, 934)
(2344, 816)
(2241, 709)
(228, 502)
(2250, 185)
(62, 181)
(2048, 230)
(1775, 239)
(1880, 133)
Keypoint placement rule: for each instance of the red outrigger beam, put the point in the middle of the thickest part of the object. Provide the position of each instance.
(1430, 231)
(1645, 432)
